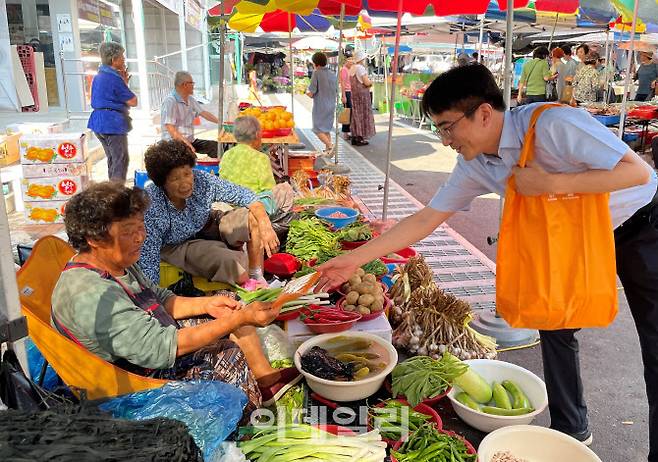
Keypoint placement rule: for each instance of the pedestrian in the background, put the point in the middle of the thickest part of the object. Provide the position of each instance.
(565, 70)
(111, 100)
(551, 84)
(535, 73)
(178, 112)
(646, 76)
(362, 123)
(346, 92)
(475, 57)
(586, 84)
(323, 91)
(581, 51)
(463, 59)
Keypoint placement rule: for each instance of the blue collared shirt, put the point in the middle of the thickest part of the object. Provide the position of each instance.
(568, 140)
(109, 94)
(175, 111)
(166, 225)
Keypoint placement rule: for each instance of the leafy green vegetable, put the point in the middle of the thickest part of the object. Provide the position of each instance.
(290, 406)
(357, 231)
(304, 271)
(394, 420)
(375, 267)
(427, 444)
(310, 201)
(282, 363)
(260, 295)
(309, 239)
(422, 377)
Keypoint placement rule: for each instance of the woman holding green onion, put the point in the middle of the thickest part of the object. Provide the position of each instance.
(105, 304)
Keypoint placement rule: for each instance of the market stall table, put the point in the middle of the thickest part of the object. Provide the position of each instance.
(278, 151)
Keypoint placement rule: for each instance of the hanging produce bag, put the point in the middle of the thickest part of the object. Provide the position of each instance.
(556, 256)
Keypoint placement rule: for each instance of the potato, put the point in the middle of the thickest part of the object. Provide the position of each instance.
(370, 278)
(362, 289)
(363, 309)
(380, 299)
(354, 280)
(377, 305)
(366, 300)
(349, 307)
(360, 272)
(352, 297)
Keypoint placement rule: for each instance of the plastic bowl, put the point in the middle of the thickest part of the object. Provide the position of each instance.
(367, 317)
(338, 223)
(346, 391)
(405, 253)
(289, 315)
(534, 443)
(492, 370)
(331, 328)
(435, 418)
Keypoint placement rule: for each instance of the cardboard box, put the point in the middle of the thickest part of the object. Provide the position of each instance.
(58, 148)
(44, 212)
(57, 170)
(9, 149)
(298, 333)
(53, 188)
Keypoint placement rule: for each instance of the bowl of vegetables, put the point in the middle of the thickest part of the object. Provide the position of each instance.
(530, 442)
(492, 394)
(328, 319)
(339, 217)
(395, 418)
(348, 366)
(367, 312)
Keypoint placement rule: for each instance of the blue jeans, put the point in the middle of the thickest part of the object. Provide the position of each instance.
(116, 151)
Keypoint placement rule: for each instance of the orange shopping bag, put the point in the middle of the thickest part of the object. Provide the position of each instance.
(556, 256)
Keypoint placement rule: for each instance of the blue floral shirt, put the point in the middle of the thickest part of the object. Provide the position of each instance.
(166, 225)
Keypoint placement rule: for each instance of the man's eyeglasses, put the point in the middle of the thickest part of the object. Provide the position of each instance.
(446, 131)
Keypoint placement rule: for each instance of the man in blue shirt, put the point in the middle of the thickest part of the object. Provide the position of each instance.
(111, 99)
(178, 112)
(573, 154)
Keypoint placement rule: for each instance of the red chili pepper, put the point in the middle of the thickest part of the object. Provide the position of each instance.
(324, 401)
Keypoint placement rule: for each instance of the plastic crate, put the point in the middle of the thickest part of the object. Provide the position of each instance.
(301, 163)
(170, 274)
(608, 119)
(26, 55)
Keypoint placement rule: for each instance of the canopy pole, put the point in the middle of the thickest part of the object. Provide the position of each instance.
(390, 110)
(550, 41)
(384, 51)
(292, 68)
(480, 39)
(220, 90)
(509, 75)
(608, 53)
(627, 80)
(341, 55)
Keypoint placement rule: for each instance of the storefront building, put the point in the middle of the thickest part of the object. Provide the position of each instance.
(160, 38)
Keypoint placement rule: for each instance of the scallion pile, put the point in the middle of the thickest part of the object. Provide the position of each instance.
(302, 442)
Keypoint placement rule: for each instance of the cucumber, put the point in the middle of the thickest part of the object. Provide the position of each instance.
(500, 396)
(506, 412)
(519, 399)
(476, 387)
(467, 401)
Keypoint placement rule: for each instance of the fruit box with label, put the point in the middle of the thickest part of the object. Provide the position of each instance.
(58, 148)
(57, 170)
(52, 189)
(44, 212)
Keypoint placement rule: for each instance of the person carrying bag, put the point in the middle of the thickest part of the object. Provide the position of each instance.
(556, 256)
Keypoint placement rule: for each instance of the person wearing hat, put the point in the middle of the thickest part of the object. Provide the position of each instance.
(646, 77)
(362, 123)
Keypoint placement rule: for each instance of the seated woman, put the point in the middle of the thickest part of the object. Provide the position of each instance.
(104, 303)
(183, 230)
(245, 165)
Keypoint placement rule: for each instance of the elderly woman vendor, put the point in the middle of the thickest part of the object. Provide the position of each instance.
(245, 165)
(183, 230)
(104, 303)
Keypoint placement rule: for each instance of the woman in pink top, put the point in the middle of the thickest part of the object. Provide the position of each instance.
(346, 92)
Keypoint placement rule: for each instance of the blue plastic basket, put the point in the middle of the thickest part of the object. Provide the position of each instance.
(338, 223)
(608, 120)
(142, 179)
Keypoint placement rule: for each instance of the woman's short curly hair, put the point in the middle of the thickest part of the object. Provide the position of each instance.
(90, 213)
(164, 156)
